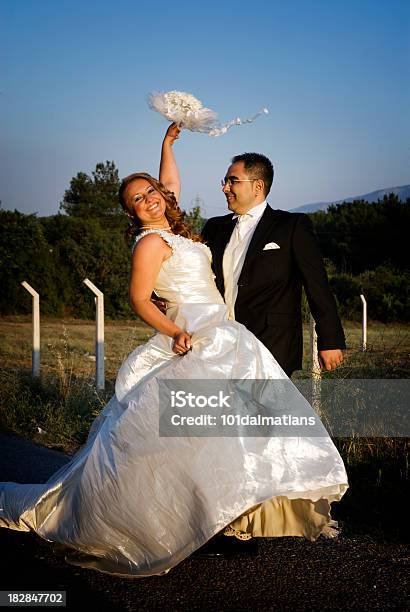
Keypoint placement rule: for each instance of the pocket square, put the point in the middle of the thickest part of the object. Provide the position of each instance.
(271, 245)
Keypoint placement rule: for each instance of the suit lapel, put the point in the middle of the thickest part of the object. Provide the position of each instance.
(259, 238)
(221, 239)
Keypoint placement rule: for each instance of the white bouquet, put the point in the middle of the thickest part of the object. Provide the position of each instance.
(189, 113)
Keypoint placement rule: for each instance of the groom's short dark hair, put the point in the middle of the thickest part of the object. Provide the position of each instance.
(257, 166)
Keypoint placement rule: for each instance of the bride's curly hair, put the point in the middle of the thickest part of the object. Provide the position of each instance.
(175, 216)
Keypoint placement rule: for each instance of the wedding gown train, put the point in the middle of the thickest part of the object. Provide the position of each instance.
(134, 503)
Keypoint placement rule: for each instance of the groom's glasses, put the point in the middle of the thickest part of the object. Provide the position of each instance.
(232, 181)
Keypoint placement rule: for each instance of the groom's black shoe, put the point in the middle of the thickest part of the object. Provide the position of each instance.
(223, 546)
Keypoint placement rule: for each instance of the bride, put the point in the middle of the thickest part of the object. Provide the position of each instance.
(133, 502)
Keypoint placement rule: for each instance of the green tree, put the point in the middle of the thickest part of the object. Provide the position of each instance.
(195, 219)
(88, 248)
(358, 236)
(26, 255)
(93, 196)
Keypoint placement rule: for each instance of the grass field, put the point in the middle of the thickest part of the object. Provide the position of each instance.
(72, 341)
(58, 410)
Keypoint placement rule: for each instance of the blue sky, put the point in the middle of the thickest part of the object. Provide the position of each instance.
(334, 76)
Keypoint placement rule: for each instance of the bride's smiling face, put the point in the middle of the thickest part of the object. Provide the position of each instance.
(144, 202)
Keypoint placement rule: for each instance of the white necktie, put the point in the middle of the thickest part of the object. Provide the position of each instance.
(240, 225)
(230, 261)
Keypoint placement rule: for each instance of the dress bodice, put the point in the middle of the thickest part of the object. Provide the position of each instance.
(186, 277)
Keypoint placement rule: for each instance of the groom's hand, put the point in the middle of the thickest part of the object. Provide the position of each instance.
(329, 360)
(160, 303)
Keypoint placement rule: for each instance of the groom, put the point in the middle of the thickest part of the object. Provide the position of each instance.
(262, 257)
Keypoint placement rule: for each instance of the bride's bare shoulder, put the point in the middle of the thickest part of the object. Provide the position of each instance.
(150, 244)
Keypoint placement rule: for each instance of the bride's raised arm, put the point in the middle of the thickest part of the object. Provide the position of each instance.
(168, 169)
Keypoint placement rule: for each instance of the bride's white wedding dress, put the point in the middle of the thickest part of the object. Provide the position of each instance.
(135, 503)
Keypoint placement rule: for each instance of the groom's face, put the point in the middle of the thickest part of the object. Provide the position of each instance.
(243, 194)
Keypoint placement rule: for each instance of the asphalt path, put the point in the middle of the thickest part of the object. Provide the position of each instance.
(356, 571)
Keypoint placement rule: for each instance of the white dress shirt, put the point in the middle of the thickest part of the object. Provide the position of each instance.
(235, 253)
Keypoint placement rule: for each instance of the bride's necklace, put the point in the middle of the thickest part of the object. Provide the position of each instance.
(166, 227)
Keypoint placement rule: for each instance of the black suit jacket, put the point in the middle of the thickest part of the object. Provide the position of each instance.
(270, 284)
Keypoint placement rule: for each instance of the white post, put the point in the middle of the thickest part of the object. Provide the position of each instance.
(315, 371)
(35, 356)
(364, 322)
(99, 340)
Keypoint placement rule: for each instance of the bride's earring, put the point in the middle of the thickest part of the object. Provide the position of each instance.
(130, 219)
